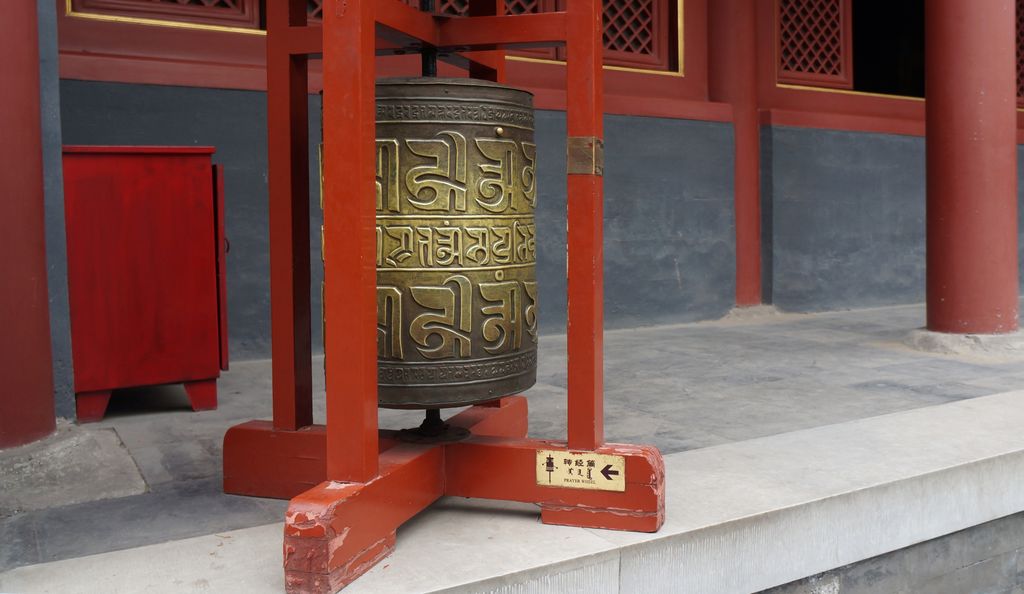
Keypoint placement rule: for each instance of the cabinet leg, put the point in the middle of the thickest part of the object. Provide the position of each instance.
(202, 394)
(91, 406)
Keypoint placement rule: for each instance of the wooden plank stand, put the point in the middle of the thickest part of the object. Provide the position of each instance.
(351, 484)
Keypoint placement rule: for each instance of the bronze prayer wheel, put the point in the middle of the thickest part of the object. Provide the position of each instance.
(456, 265)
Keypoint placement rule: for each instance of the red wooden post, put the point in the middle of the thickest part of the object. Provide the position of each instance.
(733, 79)
(288, 184)
(584, 115)
(26, 395)
(350, 269)
(972, 166)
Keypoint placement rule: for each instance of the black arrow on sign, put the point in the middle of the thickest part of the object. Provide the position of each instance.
(608, 472)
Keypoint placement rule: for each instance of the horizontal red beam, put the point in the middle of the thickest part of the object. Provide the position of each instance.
(402, 24)
(842, 121)
(461, 60)
(406, 26)
(401, 29)
(263, 462)
(503, 32)
(465, 60)
(470, 472)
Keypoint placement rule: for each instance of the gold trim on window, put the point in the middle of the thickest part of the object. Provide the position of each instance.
(71, 12)
(845, 92)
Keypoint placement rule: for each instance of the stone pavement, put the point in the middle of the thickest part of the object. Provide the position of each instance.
(679, 387)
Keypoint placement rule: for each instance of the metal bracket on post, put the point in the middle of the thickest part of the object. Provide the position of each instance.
(585, 155)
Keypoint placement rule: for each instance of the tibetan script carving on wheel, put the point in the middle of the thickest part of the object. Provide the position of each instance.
(456, 190)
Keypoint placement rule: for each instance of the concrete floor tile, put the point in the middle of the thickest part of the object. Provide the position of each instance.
(20, 541)
(181, 510)
(73, 465)
(243, 561)
(680, 387)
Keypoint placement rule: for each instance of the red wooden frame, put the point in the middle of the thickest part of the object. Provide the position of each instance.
(92, 47)
(339, 528)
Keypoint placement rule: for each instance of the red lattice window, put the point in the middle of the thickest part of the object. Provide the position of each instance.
(453, 7)
(1020, 52)
(637, 33)
(243, 14)
(815, 42)
(449, 7)
(460, 7)
(527, 6)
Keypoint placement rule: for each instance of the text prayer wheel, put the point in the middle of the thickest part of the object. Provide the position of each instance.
(456, 265)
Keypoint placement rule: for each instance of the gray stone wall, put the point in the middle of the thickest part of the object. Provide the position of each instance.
(843, 212)
(669, 247)
(669, 252)
(844, 219)
(984, 559)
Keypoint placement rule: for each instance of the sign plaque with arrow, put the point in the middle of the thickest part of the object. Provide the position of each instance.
(581, 470)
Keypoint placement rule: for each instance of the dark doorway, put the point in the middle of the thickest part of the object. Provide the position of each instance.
(888, 47)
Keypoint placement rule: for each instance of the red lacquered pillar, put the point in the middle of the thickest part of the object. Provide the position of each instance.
(288, 189)
(26, 380)
(972, 166)
(733, 79)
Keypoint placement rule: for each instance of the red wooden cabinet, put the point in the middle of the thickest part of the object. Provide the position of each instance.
(146, 251)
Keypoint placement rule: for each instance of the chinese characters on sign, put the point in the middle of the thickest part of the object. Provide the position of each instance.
(581, 470)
